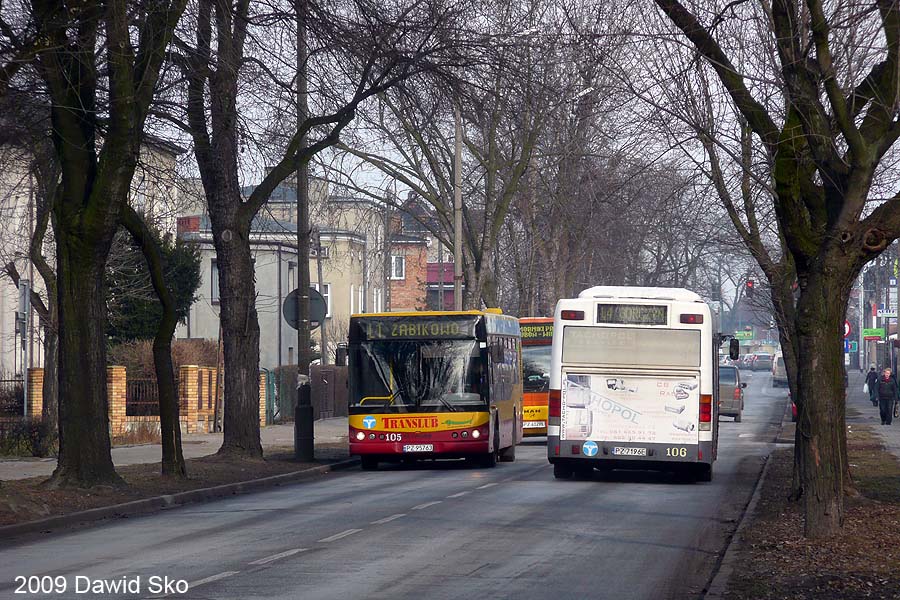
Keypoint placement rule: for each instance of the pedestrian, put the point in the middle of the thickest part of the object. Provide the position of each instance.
(887, 396)
(872, 384)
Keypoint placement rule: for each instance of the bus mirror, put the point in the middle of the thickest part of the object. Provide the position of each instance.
(734, 349)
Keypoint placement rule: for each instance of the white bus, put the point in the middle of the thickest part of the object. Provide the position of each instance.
(634, 382)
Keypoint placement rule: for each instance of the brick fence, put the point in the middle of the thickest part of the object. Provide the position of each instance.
(197, 389)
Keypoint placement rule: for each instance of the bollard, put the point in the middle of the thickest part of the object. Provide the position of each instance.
(303, 422)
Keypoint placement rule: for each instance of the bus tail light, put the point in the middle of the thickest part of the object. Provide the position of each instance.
(692, 319)
(555, 403)
(572, 315)
(706, 412)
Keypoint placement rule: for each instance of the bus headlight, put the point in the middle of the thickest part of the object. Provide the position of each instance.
(476, 434)
(360, 435)
(465, 434)
(371, 436)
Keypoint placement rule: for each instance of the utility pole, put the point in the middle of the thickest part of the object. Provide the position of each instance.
(457, 212)
(321, 280)
(303, 414)
(440, 275)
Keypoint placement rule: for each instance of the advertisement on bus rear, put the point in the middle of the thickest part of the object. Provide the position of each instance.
(628, 408)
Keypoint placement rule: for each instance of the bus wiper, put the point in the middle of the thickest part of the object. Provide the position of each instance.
(447, 405)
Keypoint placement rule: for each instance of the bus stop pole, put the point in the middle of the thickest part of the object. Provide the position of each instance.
(303, 422)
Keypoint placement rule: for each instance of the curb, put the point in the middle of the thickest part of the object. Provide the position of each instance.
(719, 583)
(157, 503)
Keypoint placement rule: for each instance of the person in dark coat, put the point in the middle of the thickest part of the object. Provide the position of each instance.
(872, 382)
(887, 395)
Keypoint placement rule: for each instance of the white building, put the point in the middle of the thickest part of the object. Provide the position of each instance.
(352, 237)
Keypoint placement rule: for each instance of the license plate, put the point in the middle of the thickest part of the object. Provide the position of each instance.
(629, 451)
(418, 448)
(534, 424)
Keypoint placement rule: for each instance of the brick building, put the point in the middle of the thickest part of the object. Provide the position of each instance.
(408, 276)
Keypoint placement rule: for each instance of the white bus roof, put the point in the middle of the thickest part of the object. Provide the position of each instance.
(641, 293)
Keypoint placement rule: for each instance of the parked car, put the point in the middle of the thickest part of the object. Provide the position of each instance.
(779, 372)
(731, 393)
(762, 362)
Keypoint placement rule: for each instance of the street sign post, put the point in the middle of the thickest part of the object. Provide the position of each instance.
(317, 308)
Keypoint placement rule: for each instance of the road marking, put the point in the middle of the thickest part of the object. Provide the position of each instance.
(280, 555)
(340, 535)
(426, 505)
(388, 519)
(223, 575)
(746, 435)
(485, 486)
(460, 494)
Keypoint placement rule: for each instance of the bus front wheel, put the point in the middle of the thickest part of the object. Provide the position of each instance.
(508, 454)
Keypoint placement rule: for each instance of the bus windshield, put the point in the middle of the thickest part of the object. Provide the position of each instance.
(536, 368)
(411, 375)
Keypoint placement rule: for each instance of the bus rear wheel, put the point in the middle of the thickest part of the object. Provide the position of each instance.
(561, 471)
(703, 473)
(369, 463)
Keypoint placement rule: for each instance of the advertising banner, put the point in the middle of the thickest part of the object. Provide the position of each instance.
(627, 408)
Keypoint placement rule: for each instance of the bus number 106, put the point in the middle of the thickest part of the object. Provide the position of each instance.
(677, 452)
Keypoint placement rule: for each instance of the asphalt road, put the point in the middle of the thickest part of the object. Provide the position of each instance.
(431, 531)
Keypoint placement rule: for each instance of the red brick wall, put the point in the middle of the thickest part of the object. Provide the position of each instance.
(409, 293)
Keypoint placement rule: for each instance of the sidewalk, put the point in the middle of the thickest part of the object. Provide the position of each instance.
(327, 431)
(861, 412)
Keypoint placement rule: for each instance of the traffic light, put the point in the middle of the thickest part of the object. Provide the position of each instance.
(751, 286)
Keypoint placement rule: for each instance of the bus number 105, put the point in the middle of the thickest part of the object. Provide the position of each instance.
(394, 437)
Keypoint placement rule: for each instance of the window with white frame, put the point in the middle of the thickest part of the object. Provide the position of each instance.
(325, 290)
(361, 300)
(398, 267)
(214, 281)
(352, 298)
(292, 277)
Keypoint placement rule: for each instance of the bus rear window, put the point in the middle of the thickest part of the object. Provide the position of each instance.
(631, 346)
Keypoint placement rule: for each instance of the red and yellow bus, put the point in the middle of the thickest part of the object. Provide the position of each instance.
(427, 385)
(537, 339)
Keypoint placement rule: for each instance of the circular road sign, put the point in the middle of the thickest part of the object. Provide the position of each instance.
(847, 329)
(317, 308)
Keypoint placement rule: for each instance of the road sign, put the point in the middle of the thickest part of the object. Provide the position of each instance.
(889, 314)
(873, 334)
(317, 308)
(854, 346)
(743, 335)
(847, 329)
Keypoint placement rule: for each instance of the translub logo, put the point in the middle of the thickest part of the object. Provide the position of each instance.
(369, 422)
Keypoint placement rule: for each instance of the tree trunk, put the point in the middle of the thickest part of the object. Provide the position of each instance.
(240, 327)
(169, 420)
(84, 441)
(820, 401)
(50, 392)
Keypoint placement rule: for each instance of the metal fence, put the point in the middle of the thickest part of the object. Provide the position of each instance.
(141, 398)
(12, 397)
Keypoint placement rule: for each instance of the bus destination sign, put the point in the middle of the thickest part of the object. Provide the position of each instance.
(391, 328)
(632, 314)
(536, 331)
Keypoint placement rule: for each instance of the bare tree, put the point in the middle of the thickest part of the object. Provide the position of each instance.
(357, 50)
(100, 75)
(820, 106)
